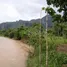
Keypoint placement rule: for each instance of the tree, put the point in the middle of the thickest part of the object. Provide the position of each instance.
(58, 18)
(61, 5)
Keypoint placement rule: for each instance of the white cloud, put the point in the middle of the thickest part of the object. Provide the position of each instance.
(11, 10)
(8, 13)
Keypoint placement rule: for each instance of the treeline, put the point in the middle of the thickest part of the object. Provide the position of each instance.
(23, 32)
(58, 29)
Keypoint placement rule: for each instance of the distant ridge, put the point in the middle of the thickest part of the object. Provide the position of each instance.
(19, 23)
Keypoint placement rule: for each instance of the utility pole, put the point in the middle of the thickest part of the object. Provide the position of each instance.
(46, 40)
(40, 41)
(46, 37)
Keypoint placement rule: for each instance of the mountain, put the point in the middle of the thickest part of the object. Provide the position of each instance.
(19, 23)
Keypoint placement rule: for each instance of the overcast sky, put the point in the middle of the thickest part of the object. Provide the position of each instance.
(12, 10)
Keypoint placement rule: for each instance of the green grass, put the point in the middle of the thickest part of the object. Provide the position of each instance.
(56, 59)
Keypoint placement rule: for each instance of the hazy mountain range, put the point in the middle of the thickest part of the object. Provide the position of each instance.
(16, 24)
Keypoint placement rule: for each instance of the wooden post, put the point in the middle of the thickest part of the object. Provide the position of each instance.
(46, 41)
(40, 41)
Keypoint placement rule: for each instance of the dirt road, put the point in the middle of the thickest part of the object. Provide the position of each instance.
(12, 54)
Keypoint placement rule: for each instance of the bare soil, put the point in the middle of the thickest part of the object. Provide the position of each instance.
(62, 48)
(64, 65)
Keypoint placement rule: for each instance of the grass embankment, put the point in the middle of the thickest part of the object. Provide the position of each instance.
(56, 58)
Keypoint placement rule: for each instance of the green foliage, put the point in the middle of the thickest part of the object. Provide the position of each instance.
(31, 35)
(57, 18)
(59, 29)
(62, 4)
(59, 21)
(43, 8)
(50, 11)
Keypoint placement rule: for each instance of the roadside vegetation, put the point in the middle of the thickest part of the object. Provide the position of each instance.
(30, 35)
